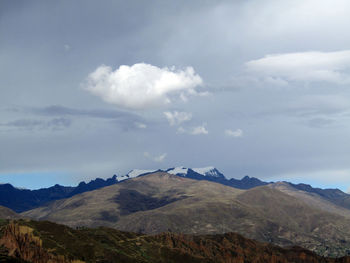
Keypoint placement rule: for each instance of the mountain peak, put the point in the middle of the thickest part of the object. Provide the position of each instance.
(209, 171)
(135, 173)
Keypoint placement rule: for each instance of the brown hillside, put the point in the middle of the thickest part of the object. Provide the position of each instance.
(161, 202)
(40, 242)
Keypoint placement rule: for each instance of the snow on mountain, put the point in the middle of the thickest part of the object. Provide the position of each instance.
(208, 171)
(134, 173)
(205, 171)
(180, 171)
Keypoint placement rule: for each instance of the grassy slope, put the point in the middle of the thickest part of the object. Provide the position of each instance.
(312, 199)
(297, 223)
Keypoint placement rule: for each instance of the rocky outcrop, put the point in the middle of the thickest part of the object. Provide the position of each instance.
(234, 248)
(39, 242)
(21, 242)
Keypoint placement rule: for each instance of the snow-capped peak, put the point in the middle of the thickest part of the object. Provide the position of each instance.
(205, 171)
(134, 173)
(180, 171)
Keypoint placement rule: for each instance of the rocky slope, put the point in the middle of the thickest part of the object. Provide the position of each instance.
(162, 202)
(40, 242)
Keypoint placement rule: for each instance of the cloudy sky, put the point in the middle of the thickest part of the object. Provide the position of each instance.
(253, 87)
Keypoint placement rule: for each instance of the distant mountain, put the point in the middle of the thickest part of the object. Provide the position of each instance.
(161, 202)
(330, 200)
(38, 242)
(212, 174)
(205, 172)
(209, 173)
(6, 213)
(135, 173)
(335, 196)
(21, 200)
(92, 185)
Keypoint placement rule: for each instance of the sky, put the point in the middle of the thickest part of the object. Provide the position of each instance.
(95, 88)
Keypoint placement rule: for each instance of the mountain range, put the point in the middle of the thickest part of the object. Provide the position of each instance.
(195, 201)
(163, 202)
(21, 200)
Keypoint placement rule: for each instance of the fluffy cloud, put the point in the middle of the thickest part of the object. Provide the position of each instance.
(141, 85)
(176, 118)
(313, 66)
(236, 133)
(199, 130)
(157, 159)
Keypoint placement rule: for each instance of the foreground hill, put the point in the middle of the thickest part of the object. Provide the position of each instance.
(162, 202)
(40, 242)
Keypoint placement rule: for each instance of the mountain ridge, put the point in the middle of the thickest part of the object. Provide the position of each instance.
(21, 200)
(163, 202)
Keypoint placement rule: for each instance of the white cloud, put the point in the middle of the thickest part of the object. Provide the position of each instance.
(157, 159)
(194, 130)
(176, 118)
(141, 86)
(199, 130)
(236, 133)
(312, 66)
